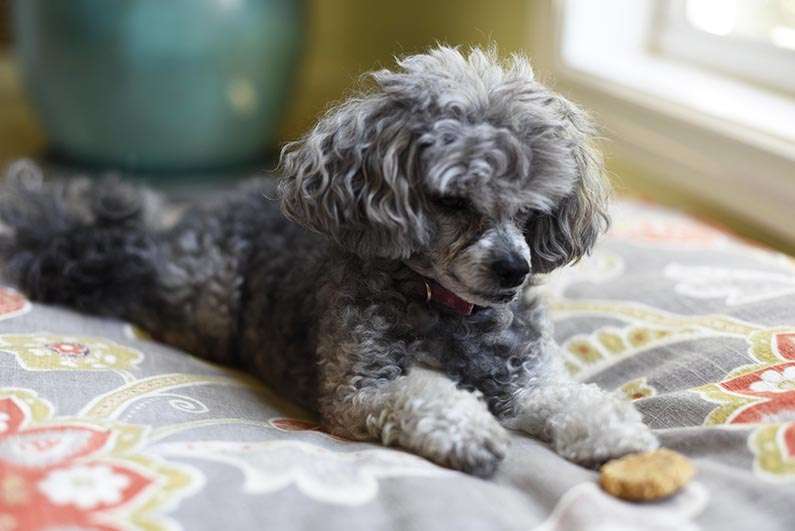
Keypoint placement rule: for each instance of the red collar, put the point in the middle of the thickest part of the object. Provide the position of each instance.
(438, 293)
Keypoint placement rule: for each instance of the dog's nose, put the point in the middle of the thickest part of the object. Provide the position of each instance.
(511, 270)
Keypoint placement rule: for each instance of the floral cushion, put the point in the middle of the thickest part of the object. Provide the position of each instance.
(101, 428)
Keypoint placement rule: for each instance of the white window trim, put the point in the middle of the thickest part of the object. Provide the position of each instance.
(673, 37)
(686, 135)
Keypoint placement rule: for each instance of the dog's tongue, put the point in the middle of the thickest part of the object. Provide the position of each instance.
(442, 295)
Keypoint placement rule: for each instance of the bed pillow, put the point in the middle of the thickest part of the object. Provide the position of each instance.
(101, 428)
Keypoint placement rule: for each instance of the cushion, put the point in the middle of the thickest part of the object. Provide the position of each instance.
(102, 428)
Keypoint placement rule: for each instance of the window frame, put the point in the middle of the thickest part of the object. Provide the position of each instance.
(682, 144)
(673, 37)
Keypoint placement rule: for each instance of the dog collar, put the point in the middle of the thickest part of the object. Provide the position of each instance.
(438, 293)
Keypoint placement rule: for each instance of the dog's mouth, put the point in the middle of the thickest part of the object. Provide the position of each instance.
(480, 297)
(473, 295)
(492, 299)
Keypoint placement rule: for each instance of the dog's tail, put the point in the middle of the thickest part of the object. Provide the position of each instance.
(80, 243)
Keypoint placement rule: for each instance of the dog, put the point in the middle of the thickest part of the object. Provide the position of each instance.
(395, 290)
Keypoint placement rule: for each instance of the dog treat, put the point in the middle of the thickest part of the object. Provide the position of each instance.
(646, 476)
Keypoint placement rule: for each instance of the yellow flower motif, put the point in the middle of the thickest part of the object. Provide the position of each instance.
(584, 351)
(637, 389)
(585, 355)
(642, 336)
(612, 341)
(759, 394)
(43, 351)
(773, 446)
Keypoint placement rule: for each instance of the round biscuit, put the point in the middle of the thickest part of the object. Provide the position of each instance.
(646, 476)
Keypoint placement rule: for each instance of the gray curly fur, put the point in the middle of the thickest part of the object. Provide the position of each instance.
(445, 167)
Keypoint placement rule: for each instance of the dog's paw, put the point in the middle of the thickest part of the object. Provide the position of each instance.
(598, 446)
(430, 416)
(476, 448)
(475, 452)
(591, 439)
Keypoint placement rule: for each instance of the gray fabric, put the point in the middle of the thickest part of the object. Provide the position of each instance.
(100, 425)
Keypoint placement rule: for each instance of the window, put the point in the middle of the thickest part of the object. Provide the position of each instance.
(694, 95)
(643, 47)
(753, 40)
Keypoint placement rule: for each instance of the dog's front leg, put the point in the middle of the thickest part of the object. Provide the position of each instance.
(423, 412)
(582, 422)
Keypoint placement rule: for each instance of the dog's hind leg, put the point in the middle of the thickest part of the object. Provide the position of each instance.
(105, 247)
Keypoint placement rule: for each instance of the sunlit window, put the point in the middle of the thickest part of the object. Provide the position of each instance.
(766, 21)
(751, 40)
(718, 17)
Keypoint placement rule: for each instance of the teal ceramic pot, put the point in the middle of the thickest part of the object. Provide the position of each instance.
(159, 84)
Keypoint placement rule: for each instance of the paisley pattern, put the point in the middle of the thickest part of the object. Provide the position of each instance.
(102, 428)
(587, 354)
(43, 351)
(734, 286)
(323, 474)
(586, 508)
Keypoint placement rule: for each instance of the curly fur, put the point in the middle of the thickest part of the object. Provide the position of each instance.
(455, 167)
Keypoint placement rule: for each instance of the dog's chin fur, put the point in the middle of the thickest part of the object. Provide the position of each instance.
(446, 165)
(477, 297)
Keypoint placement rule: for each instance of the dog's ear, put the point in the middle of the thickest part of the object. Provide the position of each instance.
(350, 178)
(569, 231)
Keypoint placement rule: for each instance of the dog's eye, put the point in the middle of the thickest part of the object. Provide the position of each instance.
(448, 138)
(525, 214)
(452, 202)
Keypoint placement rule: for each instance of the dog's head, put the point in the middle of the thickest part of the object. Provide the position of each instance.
(464, 167)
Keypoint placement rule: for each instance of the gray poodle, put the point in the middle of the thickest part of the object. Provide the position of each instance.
(394, 293)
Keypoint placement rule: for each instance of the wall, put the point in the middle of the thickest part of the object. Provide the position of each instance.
(4, 30)
(348, 37)
(19, 134)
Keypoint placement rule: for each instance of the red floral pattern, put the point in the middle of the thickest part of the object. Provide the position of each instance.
(789, 440)
(773, 399)
(12, 303)
(759, 393)
(69, 349)
(289, 424)
(682, 233)
(785, 345)
(665, 227)
(774, 448)
(762, 395)
(54, 476)
(44, 351)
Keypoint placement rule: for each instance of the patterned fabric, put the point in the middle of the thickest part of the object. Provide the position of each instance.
(101, 428)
